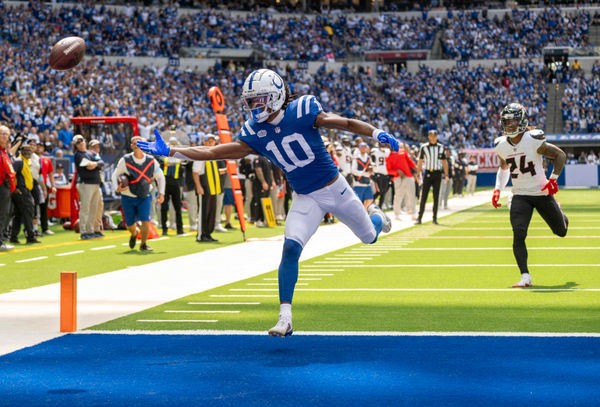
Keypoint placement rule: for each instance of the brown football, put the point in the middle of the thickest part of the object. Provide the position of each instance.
(123, 180)
(67, 53)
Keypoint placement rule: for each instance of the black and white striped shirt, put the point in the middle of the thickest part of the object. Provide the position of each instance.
(432, 155)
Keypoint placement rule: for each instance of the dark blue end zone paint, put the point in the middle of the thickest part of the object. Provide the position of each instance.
(151, 370)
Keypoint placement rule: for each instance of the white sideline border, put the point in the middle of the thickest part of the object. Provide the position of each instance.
(353, 333)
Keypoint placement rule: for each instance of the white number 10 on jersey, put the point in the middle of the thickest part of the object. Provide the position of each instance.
(286, 144)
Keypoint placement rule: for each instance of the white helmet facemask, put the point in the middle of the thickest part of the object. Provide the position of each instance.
(263, 93)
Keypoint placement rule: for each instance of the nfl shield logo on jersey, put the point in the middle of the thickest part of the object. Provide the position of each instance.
(277, 130)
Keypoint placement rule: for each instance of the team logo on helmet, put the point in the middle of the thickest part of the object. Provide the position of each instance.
(514, 120)
(263, 93)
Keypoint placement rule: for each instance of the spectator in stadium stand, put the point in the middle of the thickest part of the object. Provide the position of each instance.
(141, 170)
(460, 173)
(88, 171)
(362, 171)
(208, 183)
(8, 184)
(472, 168)
(65, 136)
(95, 149)
(446, 187)
(433, 156)
(60, 179)
(49, 186)
(22, 198)
(173, 171)
(401, 166)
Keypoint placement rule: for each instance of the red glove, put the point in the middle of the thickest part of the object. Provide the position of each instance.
(551, 186)
(496, 198)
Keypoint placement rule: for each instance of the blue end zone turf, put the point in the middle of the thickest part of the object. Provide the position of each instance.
(174, 370)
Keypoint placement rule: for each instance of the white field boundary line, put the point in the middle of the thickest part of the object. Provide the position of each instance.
(425, 289)
(461, 265)
(353, 333)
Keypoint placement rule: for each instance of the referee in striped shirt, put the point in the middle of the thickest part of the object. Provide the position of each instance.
(434, 157)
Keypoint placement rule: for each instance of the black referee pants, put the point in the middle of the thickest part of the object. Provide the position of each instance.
(432, 179)
(521, 210)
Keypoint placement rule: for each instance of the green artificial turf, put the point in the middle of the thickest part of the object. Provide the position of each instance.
(480, 240)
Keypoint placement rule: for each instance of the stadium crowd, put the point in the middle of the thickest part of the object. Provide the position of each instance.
(134, 31)
(580, 103)
(521, 34)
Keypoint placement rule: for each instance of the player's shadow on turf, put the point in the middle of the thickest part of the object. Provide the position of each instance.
(140, 253)
(556, 288)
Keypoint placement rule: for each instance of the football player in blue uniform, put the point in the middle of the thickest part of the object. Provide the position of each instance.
(286, 132)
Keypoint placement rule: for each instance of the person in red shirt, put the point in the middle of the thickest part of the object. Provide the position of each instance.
(400, 166)
(8, 184)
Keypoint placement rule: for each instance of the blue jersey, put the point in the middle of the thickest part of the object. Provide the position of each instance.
(294, 145)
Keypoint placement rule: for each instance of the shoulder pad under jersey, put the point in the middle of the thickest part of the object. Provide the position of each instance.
(497, 140)
(537, 134)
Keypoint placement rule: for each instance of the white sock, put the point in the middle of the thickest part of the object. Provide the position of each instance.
(285, 310)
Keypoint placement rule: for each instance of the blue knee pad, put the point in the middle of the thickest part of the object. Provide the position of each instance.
(378, 223)
(288, 269)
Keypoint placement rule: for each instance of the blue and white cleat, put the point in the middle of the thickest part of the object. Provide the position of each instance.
(283, 327)
(386, 221)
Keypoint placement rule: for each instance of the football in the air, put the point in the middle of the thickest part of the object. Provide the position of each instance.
(67, 53)
(123, 181)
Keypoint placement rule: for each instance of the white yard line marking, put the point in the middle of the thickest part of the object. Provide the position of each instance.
(339, 263)
(305, 274)
(348, 258)
(354, 254)
(70, 253)
(160, 238)
(32, 259)
(201, 312)
(235, 296)
(182, 235)
(504, 237)
(177, 320)
(531, 228)
(494, 248)
(353, 333)
(429, 289)
(103, 247)
(2, 265)
(223, 303)
(468, 265)
(273, 284)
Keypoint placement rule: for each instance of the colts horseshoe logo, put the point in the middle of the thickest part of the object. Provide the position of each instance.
(277, 79)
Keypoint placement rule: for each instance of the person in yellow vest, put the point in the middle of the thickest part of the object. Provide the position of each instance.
(23, 198)
(173, 172)
(208, 184)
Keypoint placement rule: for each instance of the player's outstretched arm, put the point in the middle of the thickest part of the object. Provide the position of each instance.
(334, 121)
(236, 149)
(560, 158)
(502, 177)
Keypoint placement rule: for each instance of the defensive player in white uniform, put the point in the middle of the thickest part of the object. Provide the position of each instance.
(520, 151)
(285, 131)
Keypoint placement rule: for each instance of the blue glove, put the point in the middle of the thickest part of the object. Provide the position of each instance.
(158, 147)
(387, 138)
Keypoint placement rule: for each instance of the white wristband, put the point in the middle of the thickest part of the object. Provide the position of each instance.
(376, 133)
(554, 176)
